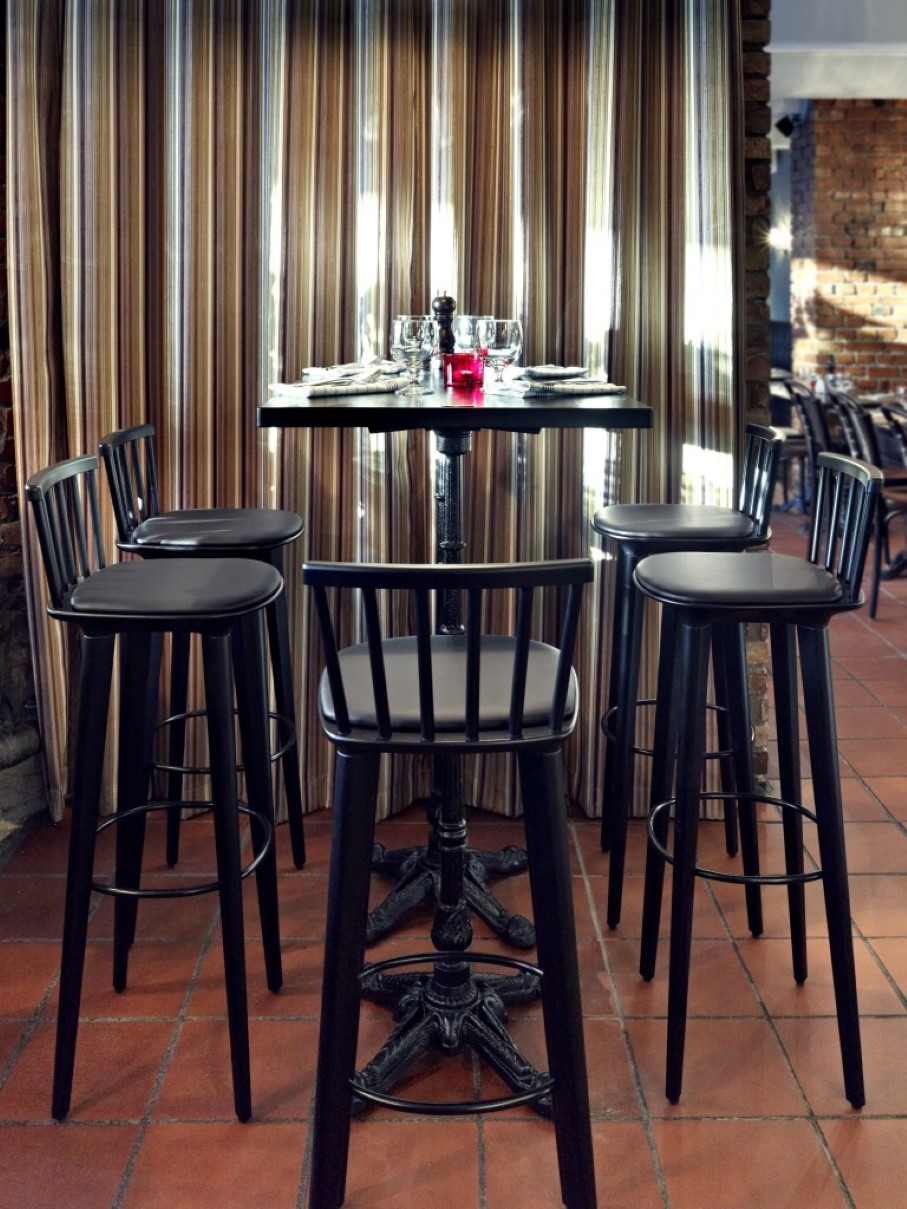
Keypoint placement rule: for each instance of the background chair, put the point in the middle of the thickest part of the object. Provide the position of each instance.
(448, 695)
(796, 598)
(249, 533)
(639, 530)
(223, 601)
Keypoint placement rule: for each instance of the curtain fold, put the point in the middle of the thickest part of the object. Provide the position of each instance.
(207, 198)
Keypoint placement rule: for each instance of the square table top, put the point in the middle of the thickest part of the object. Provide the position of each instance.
(450, 408)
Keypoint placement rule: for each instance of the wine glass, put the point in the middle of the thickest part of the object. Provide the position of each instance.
(467, 330)
(501, 342)
(412, 344)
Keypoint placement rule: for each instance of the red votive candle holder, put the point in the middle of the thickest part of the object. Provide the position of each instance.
(463, 369)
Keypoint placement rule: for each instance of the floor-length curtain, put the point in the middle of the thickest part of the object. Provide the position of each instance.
(205, 198)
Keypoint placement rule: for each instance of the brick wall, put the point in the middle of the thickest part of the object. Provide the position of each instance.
(849, 254)
(756, 32)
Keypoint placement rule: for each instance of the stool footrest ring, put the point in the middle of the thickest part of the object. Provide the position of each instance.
(740, 879)
(202, 770)
(451, 1108)
(178, 891)
(608, 724)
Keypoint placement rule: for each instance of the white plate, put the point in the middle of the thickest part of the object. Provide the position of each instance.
(554, 373)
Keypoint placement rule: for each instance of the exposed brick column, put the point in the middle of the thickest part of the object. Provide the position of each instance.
(849, 255)
(756, 33)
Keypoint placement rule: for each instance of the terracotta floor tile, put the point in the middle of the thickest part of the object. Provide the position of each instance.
(116, 1066)
(28, 969)
(302, 899)
(769, 963)
(892, 792)
(198, 1083)
(874, 667)
(707, 923)
(158, 981)
(49, 1166)
(718, 984)
(878, 904)
(871, 847)
(732, 1164)
(860, 805)
(162, 919)
(812, 1046)
(875, 757)
(850, 693)
(872, 1158)
(868, 722)
(892, 952)
(31, 906)
(731, 1068)
(300, 994)
(212, 1166)
(775, 915)
(888, 691)
(10, 1034)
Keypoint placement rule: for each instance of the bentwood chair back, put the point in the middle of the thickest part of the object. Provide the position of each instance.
(133, 604)
(448, 695)
(251, 533)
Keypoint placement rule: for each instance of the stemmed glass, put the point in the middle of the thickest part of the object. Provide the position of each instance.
(501, 342)
(412, 344)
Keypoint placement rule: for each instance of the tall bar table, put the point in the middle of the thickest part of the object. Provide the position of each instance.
(455, 1006)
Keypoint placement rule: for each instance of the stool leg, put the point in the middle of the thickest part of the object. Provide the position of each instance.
(623, 685)
(176, 747)
(818, 696)
(355, 793)
(784, 676)
(544, 798)
(726, 743)
(664, 745)
(621, 759)
(287, 732)
(729, 650)
(222, 748)
(691, 673)
(94, 699)
(139, 667)
(252, 703)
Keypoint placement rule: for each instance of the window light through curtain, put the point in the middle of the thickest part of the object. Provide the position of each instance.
(205, 199)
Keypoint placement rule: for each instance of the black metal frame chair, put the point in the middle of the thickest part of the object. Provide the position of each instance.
(448, 695)
(639, 530)
(250, 533)
(796, 597)
(223, 601)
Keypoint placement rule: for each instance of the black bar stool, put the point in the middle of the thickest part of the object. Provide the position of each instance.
(250, 533)
(796, 597)
(448, 695)
(223, 601)
(639, 530)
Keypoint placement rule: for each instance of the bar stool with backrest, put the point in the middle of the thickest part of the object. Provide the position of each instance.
(449, 695)
(796, 598)
(864, 441)
(639, 530)
(223, 601)
(249, 533)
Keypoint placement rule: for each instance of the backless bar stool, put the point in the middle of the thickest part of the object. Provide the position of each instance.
(248, 533)
(639, 530)
(796, 597)
(223, 601)
(449, 695)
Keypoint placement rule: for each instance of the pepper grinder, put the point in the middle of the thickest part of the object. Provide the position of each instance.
(444, 307)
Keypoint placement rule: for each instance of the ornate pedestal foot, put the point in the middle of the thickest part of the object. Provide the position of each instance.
(450, 1008)
(418, 873)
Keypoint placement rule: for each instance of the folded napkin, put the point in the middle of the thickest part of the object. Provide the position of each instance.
(382, 385)
(539, 390)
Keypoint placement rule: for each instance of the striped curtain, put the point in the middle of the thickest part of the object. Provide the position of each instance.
(207, 196)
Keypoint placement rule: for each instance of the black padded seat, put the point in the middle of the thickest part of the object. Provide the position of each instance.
(676, 523)
(216, 529)
(129, 606)
(210, 587)
(261, 534)
(639, 530)
(448, 658)
(701, 593)
(761, 581)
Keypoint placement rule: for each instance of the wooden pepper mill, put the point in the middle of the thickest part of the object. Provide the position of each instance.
(444, 307)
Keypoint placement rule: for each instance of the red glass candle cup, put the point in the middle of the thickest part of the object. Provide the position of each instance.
(463, 369)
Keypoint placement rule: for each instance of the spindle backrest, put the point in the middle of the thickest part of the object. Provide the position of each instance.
(64, 501)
